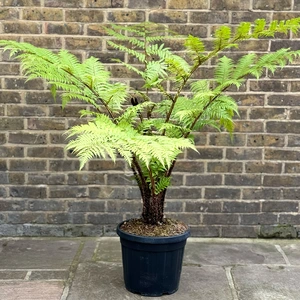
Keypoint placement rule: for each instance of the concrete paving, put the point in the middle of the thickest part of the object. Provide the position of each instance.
(91, 268)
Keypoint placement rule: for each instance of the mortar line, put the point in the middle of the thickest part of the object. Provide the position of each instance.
(72, 271)
(279, 249)
(231, 283)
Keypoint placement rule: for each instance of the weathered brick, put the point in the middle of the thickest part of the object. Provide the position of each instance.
(16, 178)
(274, 154)
(239, 231)
(278, 44)
(44, 178)
(9, 69)
(263, 167)
(44, 41)
(12, 205)
(290, 219)
(272, 5)
(294, 114)
(203, 206)
(22, 27)
(83, 43)
(39, 97)
(27, 138)
(227, 140)
(168, 17)
(283, 127)
(106, 165)
(42, 14)
(3, 192)
(263, 140)
(205, 153)
(249, 100)
(283, 100)
(25, 217)
(47, 152)
(64, 28)
(79, 15)
(267, 113)
(11, 124)
(295, 88)
(220, 219)
(22, 84)
(268, 86)
(281, 180)
(188, 4)
(293, 141)
(108, 218)
(185, 29)
(243, 154)
(241, 16)
(230, 5)
(292, 194)
(189, 166)
(243, 180)
(123, 206)
(58, 218)
(65, 192)
(280, 206)
(209, 17)
(260, 193)
(86, 178)
(203, 180)
(107, 192)
(105, 3)
(63, 165)
(248, 126)
(241, 207)
(184, 193)
(224, 167)
(126, 16)
(9, 13)
(65, 3)
(292, 168)
(46, 124)
(222, 193)
(257, 219)
(13, 111)
(11, 152)
(205, 231)
(27, 192)
(28, 165)
(45, 205)
(151, 4)
(21, 2)
(173, 206)
(69, 111)
(80, 206)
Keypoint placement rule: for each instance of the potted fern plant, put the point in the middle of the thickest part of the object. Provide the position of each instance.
(150, 132)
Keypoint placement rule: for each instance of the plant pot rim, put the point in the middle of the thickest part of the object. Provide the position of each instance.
(152, 239)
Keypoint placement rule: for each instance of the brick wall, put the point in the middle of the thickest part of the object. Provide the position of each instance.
(246, 187)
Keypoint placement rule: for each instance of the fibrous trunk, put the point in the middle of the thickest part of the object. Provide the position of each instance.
(153, 207)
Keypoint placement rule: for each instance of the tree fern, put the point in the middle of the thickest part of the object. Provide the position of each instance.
(149, 132)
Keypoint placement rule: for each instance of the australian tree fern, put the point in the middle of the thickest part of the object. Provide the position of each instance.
(150, 134)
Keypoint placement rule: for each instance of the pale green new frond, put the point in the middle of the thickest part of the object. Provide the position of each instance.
(178, 67)
(195, 47)
(224, 70)
(243, 65)
(154, 73)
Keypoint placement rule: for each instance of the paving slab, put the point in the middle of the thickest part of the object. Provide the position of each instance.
(292, 251)
(267, 282)
(109, 250)
(38, 254)
(94, 281)
(227, 253)
(31, 290)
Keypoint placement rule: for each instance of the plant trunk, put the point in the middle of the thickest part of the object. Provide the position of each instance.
(153, 207)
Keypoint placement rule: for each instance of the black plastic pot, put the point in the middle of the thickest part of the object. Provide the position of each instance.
(152, 265)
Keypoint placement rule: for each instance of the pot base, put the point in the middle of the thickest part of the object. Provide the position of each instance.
(152, 265)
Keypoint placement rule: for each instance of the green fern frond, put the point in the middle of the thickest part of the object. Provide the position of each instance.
(224, 70)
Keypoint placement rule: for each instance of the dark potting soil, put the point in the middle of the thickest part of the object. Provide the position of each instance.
(168, 227)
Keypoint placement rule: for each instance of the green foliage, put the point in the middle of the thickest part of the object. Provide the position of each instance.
(149, 133)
